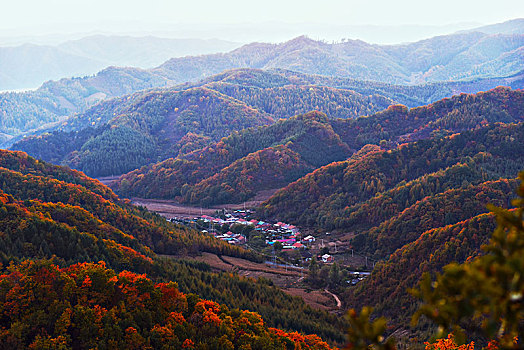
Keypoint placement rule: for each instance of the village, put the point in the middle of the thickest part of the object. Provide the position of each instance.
(237, 228)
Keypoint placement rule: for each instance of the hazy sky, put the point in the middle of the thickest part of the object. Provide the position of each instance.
(34, 17)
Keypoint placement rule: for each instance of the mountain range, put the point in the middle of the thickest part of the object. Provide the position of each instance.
(386, 155)
(121, 135)
(275, 92)
(468, 57)
(30, 64)
(27, 66)
(227, 171)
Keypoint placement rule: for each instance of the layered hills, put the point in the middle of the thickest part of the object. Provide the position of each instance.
(230, 101)
(467, 57)
(226, 171)
(327, 196)
(121, 135)
(27, 66)
(147, 125)
(50, 212)
(414, 209)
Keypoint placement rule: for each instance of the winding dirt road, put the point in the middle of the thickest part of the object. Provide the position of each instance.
(339, 303)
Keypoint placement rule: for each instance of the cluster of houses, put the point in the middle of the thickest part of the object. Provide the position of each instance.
(230, 237)
(356, 276)
(288, 236)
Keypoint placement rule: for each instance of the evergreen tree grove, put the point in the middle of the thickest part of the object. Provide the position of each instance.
(484, 294)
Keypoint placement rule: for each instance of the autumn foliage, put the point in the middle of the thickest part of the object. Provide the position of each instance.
(88, 305)
(49, 212)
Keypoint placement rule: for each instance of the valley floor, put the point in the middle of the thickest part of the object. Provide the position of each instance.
(289, 278)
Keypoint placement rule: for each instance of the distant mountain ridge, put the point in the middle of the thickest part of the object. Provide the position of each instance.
(30, 65)
(514, 26)
(431, 60)
(464, 57)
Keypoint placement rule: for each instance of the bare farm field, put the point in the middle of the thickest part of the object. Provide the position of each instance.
(171, 209)
(314, 298)
(247, 265)
(215, 262)
(106, 180)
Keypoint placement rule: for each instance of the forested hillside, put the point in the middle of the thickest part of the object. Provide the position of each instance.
(430, 252)
(124, 134)
(309, 141)
(27, 179)
(325, 197)
(89, 305)
(269, 168)
(462, 112)
(225, 172)
(53, 212)
(230, 81)
(55, 101)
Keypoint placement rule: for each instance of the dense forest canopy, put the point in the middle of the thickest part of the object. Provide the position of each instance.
(47, 211)
(224, 172)
(88, 305)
